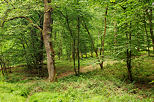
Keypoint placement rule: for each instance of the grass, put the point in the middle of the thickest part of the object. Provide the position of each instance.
(63, 66)
(108, 85)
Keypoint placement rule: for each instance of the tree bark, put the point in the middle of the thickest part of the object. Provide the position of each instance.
(101, 64)
(129, 54)
(128, 51)
(46, 37)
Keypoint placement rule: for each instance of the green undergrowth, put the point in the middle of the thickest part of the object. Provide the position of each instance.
(88, 87)
(24, 75)
(63, 66)
(108, 85)
(142, 69)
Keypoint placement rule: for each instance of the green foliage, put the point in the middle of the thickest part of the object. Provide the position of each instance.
(8, 97)
(15, 89)
(141, 70)
(22, 44)
(43, 96)
(93, 86)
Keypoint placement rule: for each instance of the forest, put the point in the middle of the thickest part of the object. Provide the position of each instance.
(76, 51)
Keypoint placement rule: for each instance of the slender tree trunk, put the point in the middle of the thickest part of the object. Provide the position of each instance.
(100, 53)
(81, 55)
(101, 64)
(115, 35)
(151, 25)
(128, 51)
(46, 36)
(68, 27)
(129, 56)
(78, 50)
(69, 52)
(61, 49)
(91, 52)
(3, 66)
(138, 44)
(41, 56)
(85, 48)
(74, 57)
(59, 44)
(90, 37)
(148, 41)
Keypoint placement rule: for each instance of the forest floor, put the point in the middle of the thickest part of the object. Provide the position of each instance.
(93, 85)
(86, 69)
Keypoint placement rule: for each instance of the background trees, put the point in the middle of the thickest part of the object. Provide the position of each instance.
(70, 30)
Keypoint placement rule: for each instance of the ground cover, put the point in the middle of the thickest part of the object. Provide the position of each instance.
(108, 85)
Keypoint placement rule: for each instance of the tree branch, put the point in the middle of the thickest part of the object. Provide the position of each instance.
(30, 21)
(61, 13)
(11, 4)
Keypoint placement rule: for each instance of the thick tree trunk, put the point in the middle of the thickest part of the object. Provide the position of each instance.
(46, 36)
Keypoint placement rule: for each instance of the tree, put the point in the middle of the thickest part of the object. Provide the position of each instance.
(48, 45)
(149, 16)
(102, 54)
(130, 37)
(46, 35)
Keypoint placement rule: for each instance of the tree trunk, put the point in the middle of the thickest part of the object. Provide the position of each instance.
(151, 25)
(101, 64)
(40, 59)
(148, 41)
(41, 47)
(78, 45)
(3, 67)
(46, 36)
(129, 56)
(74, 57)
(68, 27)
(90, 37)
(115, 35)
(100, 53)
